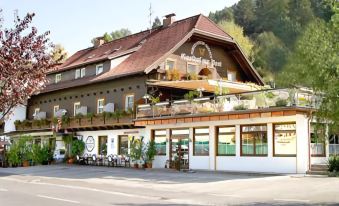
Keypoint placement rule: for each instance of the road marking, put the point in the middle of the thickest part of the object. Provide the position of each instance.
(59, 199)
(3, 190)
(225, 195)
(292, 200)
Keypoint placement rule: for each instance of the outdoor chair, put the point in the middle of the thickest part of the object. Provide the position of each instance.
(125, 161)
(110, 161)
(94, 160)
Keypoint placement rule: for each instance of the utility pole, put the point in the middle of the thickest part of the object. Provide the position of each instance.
(150, 17)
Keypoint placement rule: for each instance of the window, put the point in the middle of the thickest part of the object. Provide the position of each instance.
(129, 102)
(160, 141)
(77, 73)
(232, 76)
(254, 140)
(285, 140)
(191, 68)
(226, 141)
(201, 141)
(83, 72)
(36, 111)
(99, 69)
(123, 145)
(318, 135)
(55, 109)
(57, 78)
(76, 107)
(100, 105)
(170, 64)
(102, 146)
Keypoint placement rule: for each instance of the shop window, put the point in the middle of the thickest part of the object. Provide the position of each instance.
(201, 142)
(160, 141)
(226, 141)
(285, 140)
(76, 106)
(123, 145)
(170, 64)
(318, 136)
(57, 78)
(102, 150)
(100, 105)
(129, 102)
(254, 140)
(99, 69)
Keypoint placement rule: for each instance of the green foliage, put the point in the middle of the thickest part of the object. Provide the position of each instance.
(221, 91)
(79, 116)
(78, 147)
(114, 35)
(59, 54)
(237, 33)
(281, 103)
(65, 119)
(191, 95)
(17, 123)
(239, 107)
(90, 115)
(333, 164)
(224, 14)
(136, 148)
(156, 23)
(151, 151)
(68, 139)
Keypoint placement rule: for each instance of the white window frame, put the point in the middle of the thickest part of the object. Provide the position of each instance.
(126, 101)
(100, 108)
(77, 73)
(97, 71)
(74, 107)
(232, 76)
(57, 78)
(55, 110)
(36, 110)
(82, 72)
(193, 64)
(171, 60)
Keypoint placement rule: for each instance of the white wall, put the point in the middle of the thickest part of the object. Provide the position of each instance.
(269, 164)
(112, 136)
(18, 113)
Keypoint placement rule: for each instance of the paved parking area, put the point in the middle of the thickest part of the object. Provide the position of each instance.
(87, 185)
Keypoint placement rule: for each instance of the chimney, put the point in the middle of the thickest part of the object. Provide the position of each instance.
(168, 20)
(99, 41)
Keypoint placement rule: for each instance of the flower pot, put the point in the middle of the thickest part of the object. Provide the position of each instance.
(149, 165)
(136, 166)
(25, 163)
(70, 161)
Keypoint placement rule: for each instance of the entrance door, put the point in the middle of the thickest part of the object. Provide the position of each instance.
(179, 152)
(123, 145)
(102, 145)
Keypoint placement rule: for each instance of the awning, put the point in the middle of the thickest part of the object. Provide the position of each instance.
(207, 85)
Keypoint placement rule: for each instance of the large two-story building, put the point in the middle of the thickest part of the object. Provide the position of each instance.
(187, 85)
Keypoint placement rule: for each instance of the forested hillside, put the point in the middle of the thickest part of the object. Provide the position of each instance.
(273, 26)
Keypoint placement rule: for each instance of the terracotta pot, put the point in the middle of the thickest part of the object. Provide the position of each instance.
(136, 166)
(70, 161)
(25, 163)
(149, 165)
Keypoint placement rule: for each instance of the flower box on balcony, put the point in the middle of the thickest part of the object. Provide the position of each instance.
(162, 109)
(110, 120)
(182, 107)
(98, 120)
(126, 119)
(75, 122)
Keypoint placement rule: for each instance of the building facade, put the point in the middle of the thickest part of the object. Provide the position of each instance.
(188, 86)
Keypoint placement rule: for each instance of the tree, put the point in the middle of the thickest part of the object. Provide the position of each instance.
(120, 33)
(315, 64)
(59, 54)
(24, 60)
(237, 33)
(156, 23)
(224, 14)
(244, 15)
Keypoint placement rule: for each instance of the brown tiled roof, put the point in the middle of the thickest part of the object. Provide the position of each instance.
(152, 46)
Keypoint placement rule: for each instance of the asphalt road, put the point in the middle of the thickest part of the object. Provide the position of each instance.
(84, 185)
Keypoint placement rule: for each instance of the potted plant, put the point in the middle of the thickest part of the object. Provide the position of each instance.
(136, 148)
(68, 139)
(36, 123)
(239, 107)
(175, 74)
(150, 153)
(90, 117)
(27, 124)
(45, 155)
(18, 124)
(169, 75)
(78, 147)
(281, 102)
(78, 117)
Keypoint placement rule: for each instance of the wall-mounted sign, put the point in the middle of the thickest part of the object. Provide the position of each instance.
(90, 143)
(202, 48)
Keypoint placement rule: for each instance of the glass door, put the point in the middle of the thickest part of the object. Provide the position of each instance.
(179, 152)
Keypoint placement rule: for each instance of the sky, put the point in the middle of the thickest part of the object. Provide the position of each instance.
(73, 23)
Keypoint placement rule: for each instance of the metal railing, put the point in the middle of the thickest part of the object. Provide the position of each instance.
(231, 102)
(317, 149)
(334, 149)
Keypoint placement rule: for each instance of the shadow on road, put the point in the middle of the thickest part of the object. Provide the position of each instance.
(164, 176)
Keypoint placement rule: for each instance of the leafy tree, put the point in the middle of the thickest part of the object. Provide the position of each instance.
(237, 33)
(107, 37)
(224, 14)
(270, 53)
(59, 54)
(244, 15)
(24, 60)
(315, 64)
(120, 33)
(156, 23)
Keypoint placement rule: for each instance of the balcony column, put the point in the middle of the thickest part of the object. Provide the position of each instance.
(212, 146)
(190, 145)
(168, 139)
(237, 140)
(270, 140)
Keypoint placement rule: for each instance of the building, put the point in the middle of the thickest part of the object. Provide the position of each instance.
(187, 85)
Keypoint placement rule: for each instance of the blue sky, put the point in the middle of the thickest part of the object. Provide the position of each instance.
(73, 23)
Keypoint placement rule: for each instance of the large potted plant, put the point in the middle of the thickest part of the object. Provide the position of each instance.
(13, 155)
(78, 147)
(68, 142)
(136, 148)
(150, 153)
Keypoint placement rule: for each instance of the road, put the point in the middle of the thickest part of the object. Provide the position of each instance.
(85, 185)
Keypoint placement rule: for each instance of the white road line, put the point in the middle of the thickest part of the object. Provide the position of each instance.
(59, 199)
(3, 190)
(292, 200)
(225, 195)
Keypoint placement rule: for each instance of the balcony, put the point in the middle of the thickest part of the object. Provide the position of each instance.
(80, 122)
(256, 100)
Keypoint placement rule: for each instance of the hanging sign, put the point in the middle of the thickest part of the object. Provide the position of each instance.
(202, 48)
(90, 143)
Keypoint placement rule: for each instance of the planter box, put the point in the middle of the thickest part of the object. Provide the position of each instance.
(98, 121)
(127, 119)
(75, 122)
(110, 121)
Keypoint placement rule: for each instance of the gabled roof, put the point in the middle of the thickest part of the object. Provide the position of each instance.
(146, 49)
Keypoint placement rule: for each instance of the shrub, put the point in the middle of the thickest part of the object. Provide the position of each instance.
(175, 75)
(136, 148)
(78, 147)
(90, 115)
(151, 150)
(281, 103)
(79, 116)
(240, 107)
(17, 123)
(333, 164)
